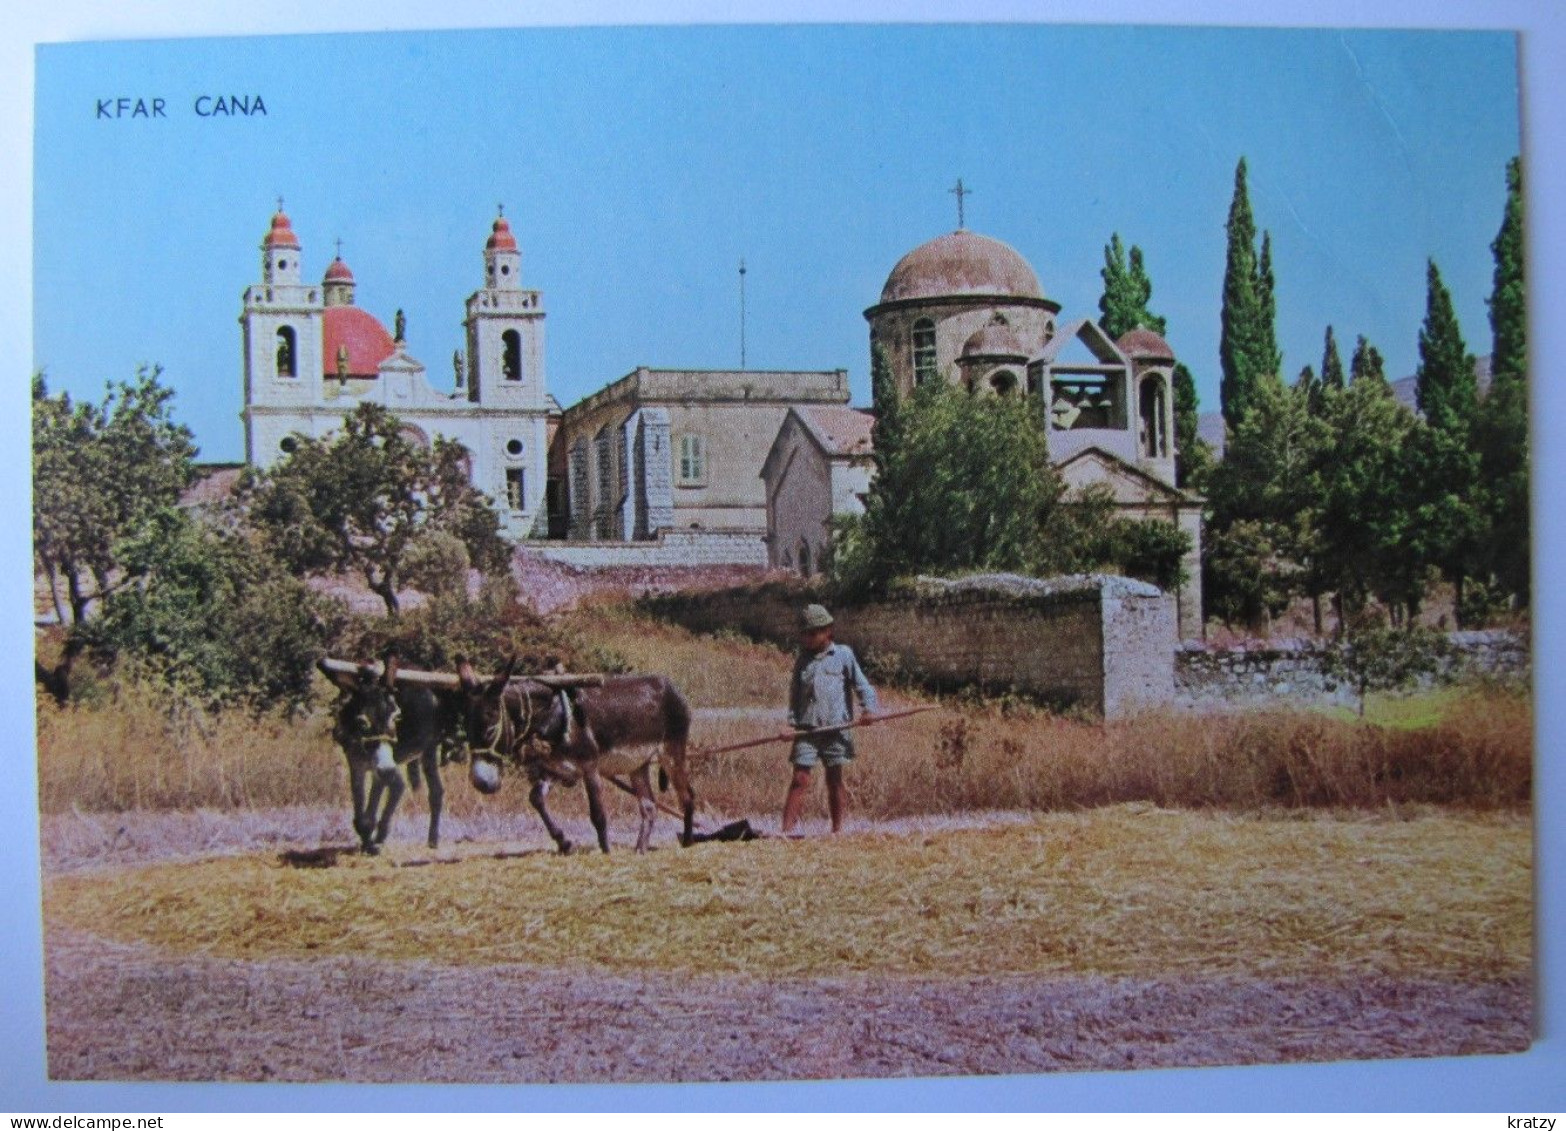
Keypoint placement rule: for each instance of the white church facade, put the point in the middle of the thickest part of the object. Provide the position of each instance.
(311, 356)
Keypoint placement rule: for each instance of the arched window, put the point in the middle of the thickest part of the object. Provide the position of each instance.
(1004, 383)
(923, 350)
(287, 351)
(1154, 435)
(511, 361)
(804, 558)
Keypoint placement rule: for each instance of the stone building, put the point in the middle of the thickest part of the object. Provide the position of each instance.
(678, 449)
(819, 465)
(969, 310)
(311, 356)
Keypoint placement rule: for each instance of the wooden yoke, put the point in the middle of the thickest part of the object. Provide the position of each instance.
(445, 681)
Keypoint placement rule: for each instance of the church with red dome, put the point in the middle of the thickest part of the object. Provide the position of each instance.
(311, 355)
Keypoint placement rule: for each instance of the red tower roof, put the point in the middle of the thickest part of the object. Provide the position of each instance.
(281, 235)
(1145, 344)
(500, 237)
(338, 272)
(367, 340)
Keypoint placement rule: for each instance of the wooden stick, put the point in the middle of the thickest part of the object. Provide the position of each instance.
(790, 736)
(616, 780)
(448, 682)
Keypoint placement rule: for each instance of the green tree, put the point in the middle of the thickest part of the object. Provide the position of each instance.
(962, 486)
(1247, 346)
(1331, 363)
(99, 472)
(1382, 658)
(1444, 383)
(1193, 458)
(1501, 426)
(1265, 496)
(1508, 300)
(210, 617)
(1445, 463)
(1127, 290)
(366, 500)
(1366, 525)
(1367, 364)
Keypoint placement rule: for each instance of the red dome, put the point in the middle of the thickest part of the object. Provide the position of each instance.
(1144, 344)
(500, 238)
(367, 340)
(281, 235)
(338, 272)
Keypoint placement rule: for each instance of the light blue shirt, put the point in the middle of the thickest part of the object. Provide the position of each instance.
(824, 687)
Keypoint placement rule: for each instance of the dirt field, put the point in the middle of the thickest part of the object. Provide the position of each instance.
(1374, 967)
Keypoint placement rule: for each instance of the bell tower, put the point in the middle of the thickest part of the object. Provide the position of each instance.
(505, 330)
(281, 328)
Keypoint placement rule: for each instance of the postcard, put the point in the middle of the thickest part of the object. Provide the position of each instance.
(782, 553)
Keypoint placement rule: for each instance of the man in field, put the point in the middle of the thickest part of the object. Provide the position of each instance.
(827, 680)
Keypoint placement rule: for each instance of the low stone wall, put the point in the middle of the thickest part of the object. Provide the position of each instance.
(1290, 672)
(1098, 642)
(671, 548)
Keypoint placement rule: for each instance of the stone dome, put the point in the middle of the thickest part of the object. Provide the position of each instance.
(994, 340)
(961, 263)
(1145, 345)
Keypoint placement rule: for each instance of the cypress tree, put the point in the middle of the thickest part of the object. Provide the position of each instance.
(1267, 353)
(1508, 301)
(1444, 382)
(1331, 363)
(1193, 458)
(1368, 365)
(1308, 384)
(1127, 290)
(1247, 344)
(1502, 431)
(1449, 524)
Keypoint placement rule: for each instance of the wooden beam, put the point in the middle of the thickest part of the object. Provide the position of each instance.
(447, 681)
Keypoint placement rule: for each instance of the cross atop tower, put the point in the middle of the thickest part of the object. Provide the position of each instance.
(339, 248)
(279, 204)
(501, 208)
(959, 192)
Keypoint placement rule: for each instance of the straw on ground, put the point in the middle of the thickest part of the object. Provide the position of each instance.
(1125, 890)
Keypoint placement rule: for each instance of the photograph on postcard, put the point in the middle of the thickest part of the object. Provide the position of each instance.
(1012, 555)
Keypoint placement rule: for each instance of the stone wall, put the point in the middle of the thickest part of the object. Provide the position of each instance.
(669, 548)
(1289, 672)
(1102, 643)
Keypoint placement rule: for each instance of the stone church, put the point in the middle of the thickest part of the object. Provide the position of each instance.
(968, 309)
(311, 355)
(685, 467)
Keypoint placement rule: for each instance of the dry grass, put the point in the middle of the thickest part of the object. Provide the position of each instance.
(728, 671)
(1127, 890)
(1476, 751)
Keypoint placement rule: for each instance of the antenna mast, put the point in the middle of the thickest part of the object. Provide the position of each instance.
(742, 312)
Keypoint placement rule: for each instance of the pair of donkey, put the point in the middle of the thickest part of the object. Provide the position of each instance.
(557, 734)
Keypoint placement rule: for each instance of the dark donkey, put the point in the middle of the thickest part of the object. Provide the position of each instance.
(623, 725)
(382, 726)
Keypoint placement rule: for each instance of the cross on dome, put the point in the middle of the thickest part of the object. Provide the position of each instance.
(959, 192)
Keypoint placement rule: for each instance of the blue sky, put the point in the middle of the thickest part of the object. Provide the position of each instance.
(638, 165)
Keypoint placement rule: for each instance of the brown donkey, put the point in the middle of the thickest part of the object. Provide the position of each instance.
(623, 725)
(381, 728)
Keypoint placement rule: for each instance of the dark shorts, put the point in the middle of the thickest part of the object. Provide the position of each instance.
(828, 749)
